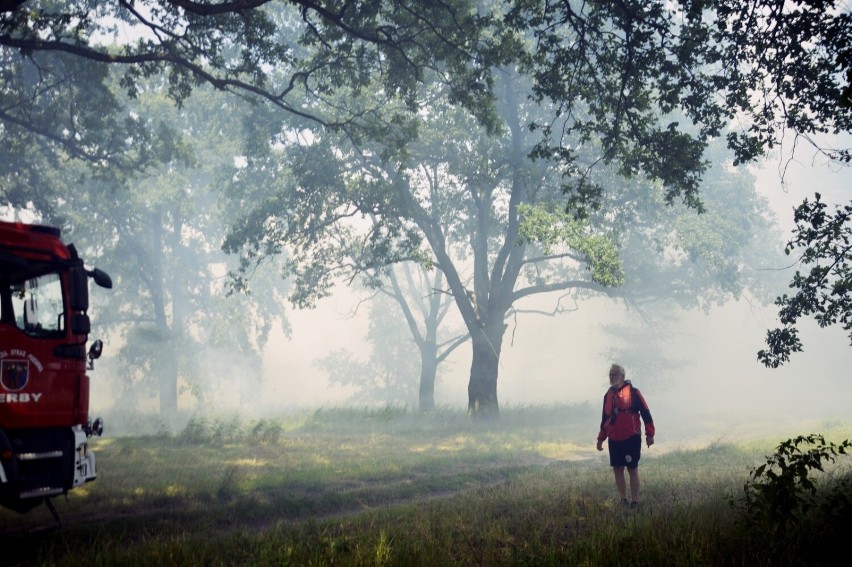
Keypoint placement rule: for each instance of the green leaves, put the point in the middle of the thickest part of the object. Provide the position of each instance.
(784, 66)
(616, 72)
(613, 71)
(551, 228)
(307, 58)
(781, 493)
(825, 290)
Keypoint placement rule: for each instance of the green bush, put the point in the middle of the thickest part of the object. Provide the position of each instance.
(793, 502)
(197, 431)
(266, 431)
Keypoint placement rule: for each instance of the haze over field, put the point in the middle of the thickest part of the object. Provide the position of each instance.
(352, 275)
(562, 359)
(536, 158)
(715, 387)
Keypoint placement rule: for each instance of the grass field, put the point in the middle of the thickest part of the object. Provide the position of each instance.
(391, 487)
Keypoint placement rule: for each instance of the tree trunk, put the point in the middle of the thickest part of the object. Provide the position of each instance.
(168, 379)
(482, 388)
(166, 366)
(428, 371)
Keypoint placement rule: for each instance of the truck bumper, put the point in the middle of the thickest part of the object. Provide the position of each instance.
(85, 466)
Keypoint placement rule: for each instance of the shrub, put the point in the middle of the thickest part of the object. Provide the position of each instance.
(788, 505)
(266, 431)
(197, 431)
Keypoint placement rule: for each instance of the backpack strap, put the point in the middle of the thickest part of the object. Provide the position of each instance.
(634, 400)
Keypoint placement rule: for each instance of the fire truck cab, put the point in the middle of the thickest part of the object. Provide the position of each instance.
(44, 387)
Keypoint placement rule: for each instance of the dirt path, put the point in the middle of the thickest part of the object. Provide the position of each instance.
(335, 500)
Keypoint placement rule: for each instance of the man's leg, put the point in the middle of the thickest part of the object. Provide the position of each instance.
(619, 481)
(634, 483)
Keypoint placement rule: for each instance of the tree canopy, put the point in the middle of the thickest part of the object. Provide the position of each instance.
(298, 56)
(763, 66)
(560, 105)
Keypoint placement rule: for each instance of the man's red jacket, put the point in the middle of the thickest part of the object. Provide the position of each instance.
(622, 409)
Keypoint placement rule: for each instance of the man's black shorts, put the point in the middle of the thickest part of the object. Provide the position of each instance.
(625, 453)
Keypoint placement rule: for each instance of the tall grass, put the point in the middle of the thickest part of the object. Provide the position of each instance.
(391, 487)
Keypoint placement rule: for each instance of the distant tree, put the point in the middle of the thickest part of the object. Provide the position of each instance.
(424, 304)
(731, 251)
(160, 238)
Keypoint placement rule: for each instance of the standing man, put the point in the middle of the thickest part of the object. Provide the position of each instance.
(622, 407)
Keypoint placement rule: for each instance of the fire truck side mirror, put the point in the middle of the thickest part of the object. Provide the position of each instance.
(95, 350)
(101, 278)
(80, 285)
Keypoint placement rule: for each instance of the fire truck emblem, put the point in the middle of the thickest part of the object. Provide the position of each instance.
(14, 374)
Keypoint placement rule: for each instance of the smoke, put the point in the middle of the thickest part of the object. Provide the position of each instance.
(712, 384)
(698, 371)
(291, 377)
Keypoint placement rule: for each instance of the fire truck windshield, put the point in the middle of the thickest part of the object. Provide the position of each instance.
(34, 305)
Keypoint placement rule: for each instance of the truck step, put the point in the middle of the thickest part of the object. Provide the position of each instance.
(39, 456)
(41, 492)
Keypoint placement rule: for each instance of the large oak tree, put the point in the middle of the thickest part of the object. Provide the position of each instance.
(492, 222)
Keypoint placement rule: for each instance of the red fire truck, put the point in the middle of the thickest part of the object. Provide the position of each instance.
(44, 388)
